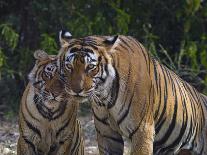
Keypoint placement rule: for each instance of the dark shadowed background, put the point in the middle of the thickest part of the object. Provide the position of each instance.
(175, 31)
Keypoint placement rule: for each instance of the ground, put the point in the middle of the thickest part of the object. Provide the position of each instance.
(9, 135)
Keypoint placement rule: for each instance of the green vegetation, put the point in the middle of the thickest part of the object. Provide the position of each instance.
(174, 31)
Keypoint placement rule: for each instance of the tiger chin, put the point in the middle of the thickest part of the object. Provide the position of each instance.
(48, 122)
(135, 96)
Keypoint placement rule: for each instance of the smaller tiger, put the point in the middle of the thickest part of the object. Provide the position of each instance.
(48, 121)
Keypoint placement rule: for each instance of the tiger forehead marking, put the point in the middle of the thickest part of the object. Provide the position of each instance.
(85, 55)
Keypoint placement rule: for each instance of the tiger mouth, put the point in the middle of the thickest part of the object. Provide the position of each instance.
(78, 95)
(81, 99)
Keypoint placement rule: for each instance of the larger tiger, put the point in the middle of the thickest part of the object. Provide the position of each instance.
(47, 116)
(134, 96)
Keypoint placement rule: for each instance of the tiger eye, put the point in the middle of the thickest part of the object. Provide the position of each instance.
(69, 67)
(91, 66)
(48, 68)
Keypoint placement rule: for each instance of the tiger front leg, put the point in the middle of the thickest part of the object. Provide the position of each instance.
(24, 147)
(110, 145)
(142, 141)
(110, 142)
(76, 148)
(73, 144)
(63, 149)
(80, 149)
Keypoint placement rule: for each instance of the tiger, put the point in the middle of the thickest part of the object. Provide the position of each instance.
(48, 123)
(134, 96)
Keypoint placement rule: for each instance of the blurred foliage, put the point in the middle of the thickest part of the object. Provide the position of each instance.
(9, 35)
(175, 32)
(48, 44)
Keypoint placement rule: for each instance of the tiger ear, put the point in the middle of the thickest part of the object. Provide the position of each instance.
(40, 55)
(111, 40)
(64, 37)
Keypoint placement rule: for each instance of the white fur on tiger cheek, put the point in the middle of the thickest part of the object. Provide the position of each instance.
(111, 71)
(111, 75)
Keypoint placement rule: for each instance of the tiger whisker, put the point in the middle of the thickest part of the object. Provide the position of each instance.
(96, 97)
(104, 96)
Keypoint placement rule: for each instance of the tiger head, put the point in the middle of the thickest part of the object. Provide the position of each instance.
(44, 77)
(85, 64)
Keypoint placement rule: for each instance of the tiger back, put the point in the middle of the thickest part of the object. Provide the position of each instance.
(135, 96)
(48, 122)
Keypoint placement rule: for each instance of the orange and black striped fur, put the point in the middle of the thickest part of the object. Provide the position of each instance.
(135, 96)
(47, 116)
